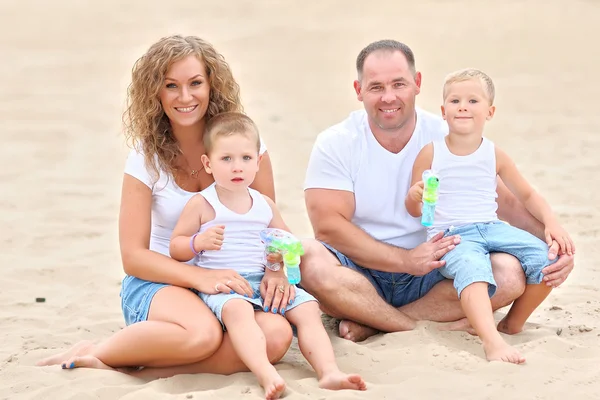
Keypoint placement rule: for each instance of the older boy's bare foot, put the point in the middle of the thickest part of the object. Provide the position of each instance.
(355, 332)
(501, 351)
(505, 326)
(273, 384)
(338, 381)
(79, 349)
(85, 362)
(460, 325)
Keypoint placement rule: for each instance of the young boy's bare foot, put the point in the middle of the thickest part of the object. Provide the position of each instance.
(338, 380)
(85, 362)
(79, 349)
(355, 332)
(273, 384)
(505, 326)
(499, 350)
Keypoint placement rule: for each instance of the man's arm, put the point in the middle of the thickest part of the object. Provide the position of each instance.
(330, 212)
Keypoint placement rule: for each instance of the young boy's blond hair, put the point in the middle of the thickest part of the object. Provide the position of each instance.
(468, 74)
(227, 124)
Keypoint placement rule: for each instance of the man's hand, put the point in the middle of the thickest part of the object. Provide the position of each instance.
(425, 257)
(557, 273)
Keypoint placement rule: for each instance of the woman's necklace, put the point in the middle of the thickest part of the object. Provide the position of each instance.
(194, 173)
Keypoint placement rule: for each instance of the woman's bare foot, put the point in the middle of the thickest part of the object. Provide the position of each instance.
(273, 384)
(355, 332)
(499, 350)
(85, 362)
(460, 325)
(505, 326)
(80, 349)
(338, 380)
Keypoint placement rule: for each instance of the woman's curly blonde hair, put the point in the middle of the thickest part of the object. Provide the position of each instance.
(147, 127)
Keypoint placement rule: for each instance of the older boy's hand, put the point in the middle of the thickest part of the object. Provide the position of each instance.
(415, 193)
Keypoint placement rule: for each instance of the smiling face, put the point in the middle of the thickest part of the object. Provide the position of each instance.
(388, 89)
(467, 106)
(185, 93)
(233, 160)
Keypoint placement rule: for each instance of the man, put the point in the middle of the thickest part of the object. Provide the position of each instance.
(372, 267)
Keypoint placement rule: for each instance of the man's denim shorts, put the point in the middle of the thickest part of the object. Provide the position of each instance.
(469, 262)
(397, 289)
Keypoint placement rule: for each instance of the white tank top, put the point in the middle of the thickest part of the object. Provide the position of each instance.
(467, 191)
(242, 249)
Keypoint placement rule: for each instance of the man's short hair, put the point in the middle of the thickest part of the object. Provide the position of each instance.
(468, 74)
(227, 124)
(385, 45)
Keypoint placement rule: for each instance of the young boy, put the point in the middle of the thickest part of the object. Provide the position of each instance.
(221, 226)
(467, 165)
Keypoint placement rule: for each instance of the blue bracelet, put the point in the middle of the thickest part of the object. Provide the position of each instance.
(192, 245)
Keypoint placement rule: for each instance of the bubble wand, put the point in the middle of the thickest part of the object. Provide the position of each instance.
(290, 248)
(431, 184)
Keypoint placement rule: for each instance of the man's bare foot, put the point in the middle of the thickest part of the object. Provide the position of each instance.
(273, 384)
(505, 326)
(339, 381)
(355, 332)
(85, 362)
(80, 349)
(460, 325)
(500, 351)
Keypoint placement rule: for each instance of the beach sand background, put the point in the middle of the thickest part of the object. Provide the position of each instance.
(65, 67)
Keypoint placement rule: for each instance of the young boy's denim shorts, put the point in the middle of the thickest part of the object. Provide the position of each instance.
(216, 301)
(397, 289)
(469, 262)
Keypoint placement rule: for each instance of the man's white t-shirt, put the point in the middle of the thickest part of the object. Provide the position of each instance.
(168, 200)
(347, 157)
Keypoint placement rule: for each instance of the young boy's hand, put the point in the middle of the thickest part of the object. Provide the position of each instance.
(553, 231)
(210, 239)
(416, 192)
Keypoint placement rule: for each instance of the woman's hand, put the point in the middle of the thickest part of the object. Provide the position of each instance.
(276, 291)
(215, 281)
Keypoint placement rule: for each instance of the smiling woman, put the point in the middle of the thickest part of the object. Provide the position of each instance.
(176, 88)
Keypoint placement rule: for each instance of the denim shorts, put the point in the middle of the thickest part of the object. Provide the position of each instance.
(216, 301)
(469, 262)
(136, 296)
(397, 289)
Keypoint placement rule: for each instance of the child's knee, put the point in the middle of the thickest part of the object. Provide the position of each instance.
(237, 309)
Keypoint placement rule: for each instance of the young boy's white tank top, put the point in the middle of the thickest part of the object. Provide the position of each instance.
(467, 191)
(242, 249)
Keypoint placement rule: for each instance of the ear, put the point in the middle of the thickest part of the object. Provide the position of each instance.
(260, 157)
(358, 90)
(491, 113)
(418, 79)
(443, 112)
(206, 163)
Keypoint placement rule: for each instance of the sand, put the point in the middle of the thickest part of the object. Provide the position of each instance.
(65, 66)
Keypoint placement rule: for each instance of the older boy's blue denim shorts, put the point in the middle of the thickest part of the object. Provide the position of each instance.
(469, 262)
(397, 289)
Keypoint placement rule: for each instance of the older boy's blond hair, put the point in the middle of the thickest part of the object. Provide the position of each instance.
(468, 74)
(227, 124)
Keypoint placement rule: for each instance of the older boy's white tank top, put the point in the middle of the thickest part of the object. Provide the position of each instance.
(467, 191)
(242, 249)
